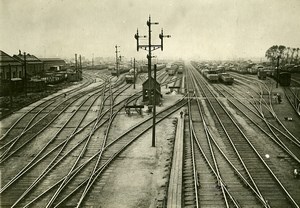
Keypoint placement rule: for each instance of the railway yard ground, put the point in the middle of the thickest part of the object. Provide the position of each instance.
(79, 147)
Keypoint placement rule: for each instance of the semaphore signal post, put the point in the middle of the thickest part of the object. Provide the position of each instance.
(150, 47)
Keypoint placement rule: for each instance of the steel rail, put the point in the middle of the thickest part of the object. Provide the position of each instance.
(277, 140)
(49, 204)
(221, 182)
(51, 166)
(259, 156)
(29, 165)
(270, 108)
(18, 137)
(99, 170)
(291, 137)
(46, 100)
(216, 169)
(4, 155)
(58, 105)
(193, 157)
(233, 146)
(88, 185)
(63, 184)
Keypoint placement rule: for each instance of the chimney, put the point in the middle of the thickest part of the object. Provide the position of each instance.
(20, 53)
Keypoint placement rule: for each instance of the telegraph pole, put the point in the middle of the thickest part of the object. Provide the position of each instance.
(10, 90)
(150, 47)
(117, 60)
(80, 63)
(76, 62)
(154, 108)
(25, 69)
(277, 71)
(76, 66)
(134, 75)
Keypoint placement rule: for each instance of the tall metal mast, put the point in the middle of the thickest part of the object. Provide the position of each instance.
(151, 48)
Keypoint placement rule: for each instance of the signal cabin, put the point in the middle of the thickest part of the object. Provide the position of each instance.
(150, 86)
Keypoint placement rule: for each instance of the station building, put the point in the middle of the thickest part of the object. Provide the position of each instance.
(16, 67)
(11, 74)
(34, 66)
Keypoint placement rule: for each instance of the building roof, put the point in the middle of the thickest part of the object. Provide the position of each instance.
(6, 60)
(52, 60)
(152, 81)
(29, 58)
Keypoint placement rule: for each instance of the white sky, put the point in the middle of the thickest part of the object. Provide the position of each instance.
(214, 29)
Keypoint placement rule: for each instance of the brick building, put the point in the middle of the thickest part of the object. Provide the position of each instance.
(15, 65)
(34, 66)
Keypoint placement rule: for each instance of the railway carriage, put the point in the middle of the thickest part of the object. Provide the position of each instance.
(253, 70)
(171, 72)
(122, 70)
(180, 70)
(242, 70)
(144, 68)
(212, 76)
(226, 78)
(172, 67)
(220, 69)
(129, 78)
(204, 72)
(261, 73)
(160, 66)
(285, 78)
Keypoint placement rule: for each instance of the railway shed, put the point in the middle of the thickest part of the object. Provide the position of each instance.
(50, 64)
(34, 66)
(148, 85)
(7, 61)
(10, 70)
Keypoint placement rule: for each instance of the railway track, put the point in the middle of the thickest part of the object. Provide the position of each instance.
(89, 161)
(255, 172)
(73, 191)
(292, 94)
(281, 136)
(69, 108)
(224, 188)
(266, 113)
(44, 105)
(52, 146)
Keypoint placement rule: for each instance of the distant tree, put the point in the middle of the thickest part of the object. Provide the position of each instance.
(272, 53)
(288, 50)
(297, 56)
(280, 52)
(292, 56)
(287, 55)
(281, 49)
